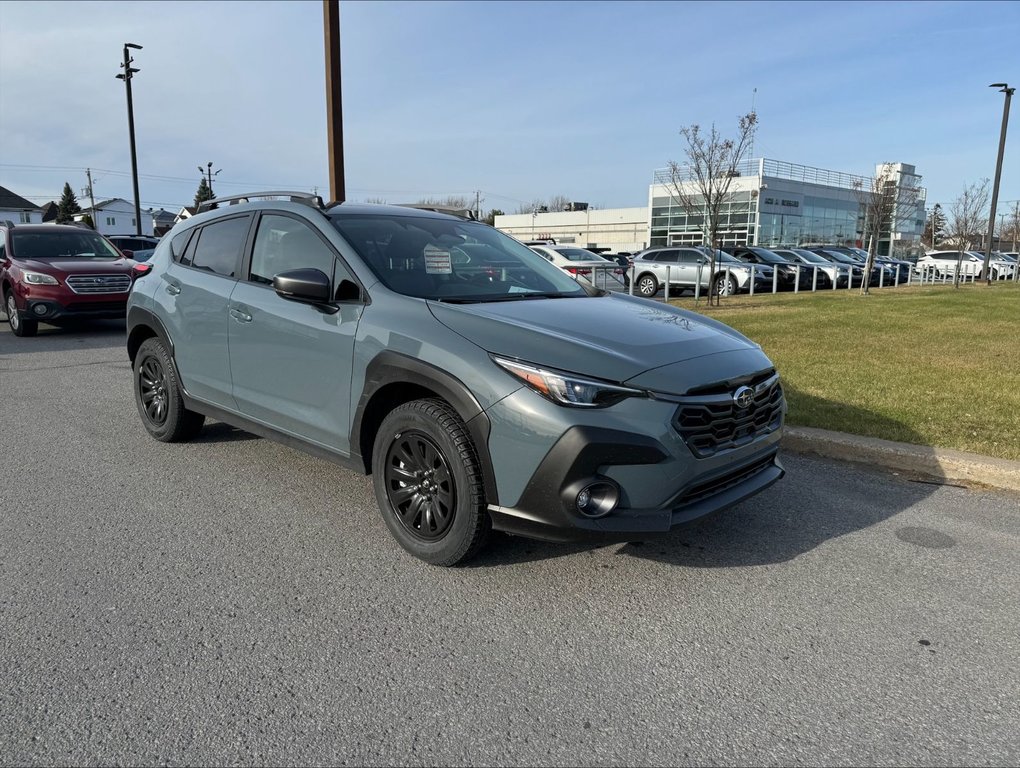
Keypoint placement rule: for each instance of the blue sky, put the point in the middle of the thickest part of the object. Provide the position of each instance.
(521, 100)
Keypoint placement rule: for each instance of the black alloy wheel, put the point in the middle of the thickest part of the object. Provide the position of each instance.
(152, 387)
(428, 482)
(420, 486)
(158, 396)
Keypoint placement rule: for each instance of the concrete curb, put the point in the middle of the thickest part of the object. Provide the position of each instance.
(937, 463)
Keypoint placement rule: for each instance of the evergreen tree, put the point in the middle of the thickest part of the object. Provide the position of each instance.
(203, 193)
(490, 218)
(68, 206)
(935, 227)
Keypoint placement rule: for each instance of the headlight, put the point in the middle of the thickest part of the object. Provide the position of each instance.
(38, 278)
(568, 389)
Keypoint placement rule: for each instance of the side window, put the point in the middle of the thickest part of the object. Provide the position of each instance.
(667, 257)
(178, 244)
(689, 257)
(3, 246)
(219, 245)
(284, 243)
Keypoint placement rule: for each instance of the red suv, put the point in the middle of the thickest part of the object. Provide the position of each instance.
(55, 272)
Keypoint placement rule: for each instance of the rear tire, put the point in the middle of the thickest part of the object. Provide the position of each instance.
(647, 285)
(158, 396)
(21, 326)
(428, 483)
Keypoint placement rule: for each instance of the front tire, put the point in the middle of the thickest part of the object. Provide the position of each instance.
(724, 285)
(21, 326)
(428, 483)
(158, 396)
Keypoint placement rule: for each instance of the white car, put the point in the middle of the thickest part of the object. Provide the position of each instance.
(971, 264)
(585, 265)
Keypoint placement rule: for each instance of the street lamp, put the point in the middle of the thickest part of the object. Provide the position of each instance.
(209, 170)
(126, 76)
(1003, 88)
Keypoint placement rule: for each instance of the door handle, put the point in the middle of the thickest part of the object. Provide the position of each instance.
(172, 289)
(240, 316)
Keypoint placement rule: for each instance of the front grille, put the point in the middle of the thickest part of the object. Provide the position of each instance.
(91, 284)
(710, 423)
(718, 485)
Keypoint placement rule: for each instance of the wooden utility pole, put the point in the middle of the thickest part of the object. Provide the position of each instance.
(334, 110)
(92, 201)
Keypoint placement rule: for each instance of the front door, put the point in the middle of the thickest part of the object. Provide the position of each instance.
(291, 362)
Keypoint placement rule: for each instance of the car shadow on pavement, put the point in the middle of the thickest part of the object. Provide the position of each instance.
(79, 334)
(817, 500)
(219, 432)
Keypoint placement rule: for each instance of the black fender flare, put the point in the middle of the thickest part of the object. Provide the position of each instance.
(393, 368)
(140, 317)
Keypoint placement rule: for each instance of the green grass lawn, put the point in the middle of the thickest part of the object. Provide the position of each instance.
(932, 366)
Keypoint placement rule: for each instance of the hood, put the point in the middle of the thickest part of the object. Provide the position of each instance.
(613, 337)
(78, 266)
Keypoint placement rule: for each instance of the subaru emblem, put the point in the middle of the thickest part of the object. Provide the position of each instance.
(743, 397)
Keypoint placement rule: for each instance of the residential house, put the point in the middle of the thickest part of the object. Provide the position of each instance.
(49, 212)
(17, 209)
(162, 221)
(116, 217)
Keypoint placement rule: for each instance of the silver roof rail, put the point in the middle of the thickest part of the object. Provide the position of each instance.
(295, 197)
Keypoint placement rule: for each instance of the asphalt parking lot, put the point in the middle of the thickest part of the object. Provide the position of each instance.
(235, 601)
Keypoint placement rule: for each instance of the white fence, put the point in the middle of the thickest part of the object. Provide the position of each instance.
(609, 278)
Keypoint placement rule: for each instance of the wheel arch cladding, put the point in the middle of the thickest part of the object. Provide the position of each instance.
(393, 379)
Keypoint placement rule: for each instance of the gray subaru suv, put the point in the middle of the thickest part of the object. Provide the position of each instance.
(479, 385)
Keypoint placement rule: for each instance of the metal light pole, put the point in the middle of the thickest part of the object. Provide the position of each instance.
(1003, 88)
(208, 170)
(126, 76)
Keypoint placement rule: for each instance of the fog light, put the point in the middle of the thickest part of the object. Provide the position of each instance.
(40, 309)
(597, 499)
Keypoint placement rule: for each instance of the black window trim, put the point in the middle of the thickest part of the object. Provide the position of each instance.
(249, 248)
(196, 236)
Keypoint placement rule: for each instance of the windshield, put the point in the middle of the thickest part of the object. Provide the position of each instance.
(578, 254)
(811, 257)
(452, 260)
(842, 258)
(768, 256)
(62, 244)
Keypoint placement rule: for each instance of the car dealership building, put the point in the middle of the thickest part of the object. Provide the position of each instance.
(771, 203)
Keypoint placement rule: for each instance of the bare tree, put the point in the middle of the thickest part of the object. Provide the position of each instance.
(450, 201)
(702, 184)
(559, 202)
(377, 200)
(886, 203)
(967, 215)
(535, 206)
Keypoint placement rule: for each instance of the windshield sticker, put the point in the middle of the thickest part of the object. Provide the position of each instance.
(437, 261)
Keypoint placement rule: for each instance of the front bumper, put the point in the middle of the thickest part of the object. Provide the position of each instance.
(661, 483)
(48, 311)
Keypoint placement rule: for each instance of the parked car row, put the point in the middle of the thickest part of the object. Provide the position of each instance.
(945, 264)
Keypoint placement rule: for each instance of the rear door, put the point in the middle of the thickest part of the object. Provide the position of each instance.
(192, 298)
(291, 362)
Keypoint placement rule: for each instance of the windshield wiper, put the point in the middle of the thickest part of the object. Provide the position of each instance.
(505, 297)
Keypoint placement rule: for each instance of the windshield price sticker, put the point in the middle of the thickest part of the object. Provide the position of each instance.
(437, 261)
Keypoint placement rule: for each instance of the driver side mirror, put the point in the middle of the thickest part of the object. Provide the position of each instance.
(310, 286)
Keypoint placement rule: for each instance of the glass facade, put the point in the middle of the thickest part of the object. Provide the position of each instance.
(774, 204)
(673, 225)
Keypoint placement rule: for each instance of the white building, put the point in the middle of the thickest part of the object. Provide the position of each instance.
(116, 217)
(771, 203)
(17, 209)
(618, 229)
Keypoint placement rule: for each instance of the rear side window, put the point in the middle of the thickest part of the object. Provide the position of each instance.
(178, 244)
(219, 246)
(668, 257)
